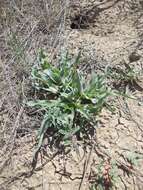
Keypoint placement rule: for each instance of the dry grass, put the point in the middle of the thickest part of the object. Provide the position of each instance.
(25, 26)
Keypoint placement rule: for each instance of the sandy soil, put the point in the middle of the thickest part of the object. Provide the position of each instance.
(109, 37)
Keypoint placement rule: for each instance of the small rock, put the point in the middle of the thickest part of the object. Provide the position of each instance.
(133, 57)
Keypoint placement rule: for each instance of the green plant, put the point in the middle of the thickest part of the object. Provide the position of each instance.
(133, 159)
(70, 103)
(107, 176)
(124, 74)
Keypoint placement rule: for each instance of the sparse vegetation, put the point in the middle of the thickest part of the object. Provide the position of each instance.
(125, 75)
(107, 176)
(82, 117)
(71, 103)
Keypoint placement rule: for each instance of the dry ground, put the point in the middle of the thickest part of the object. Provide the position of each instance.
(108, 33)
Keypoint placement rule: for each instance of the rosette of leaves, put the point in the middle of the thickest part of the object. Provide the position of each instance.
(74, 102)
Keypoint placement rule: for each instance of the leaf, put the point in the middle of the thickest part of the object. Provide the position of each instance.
(77, 59)
(41, 134)
(44, 127)
(41, 103)
(84, 113)
(71, 133)
(53, 90)
(67, 142)
(78, 82)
